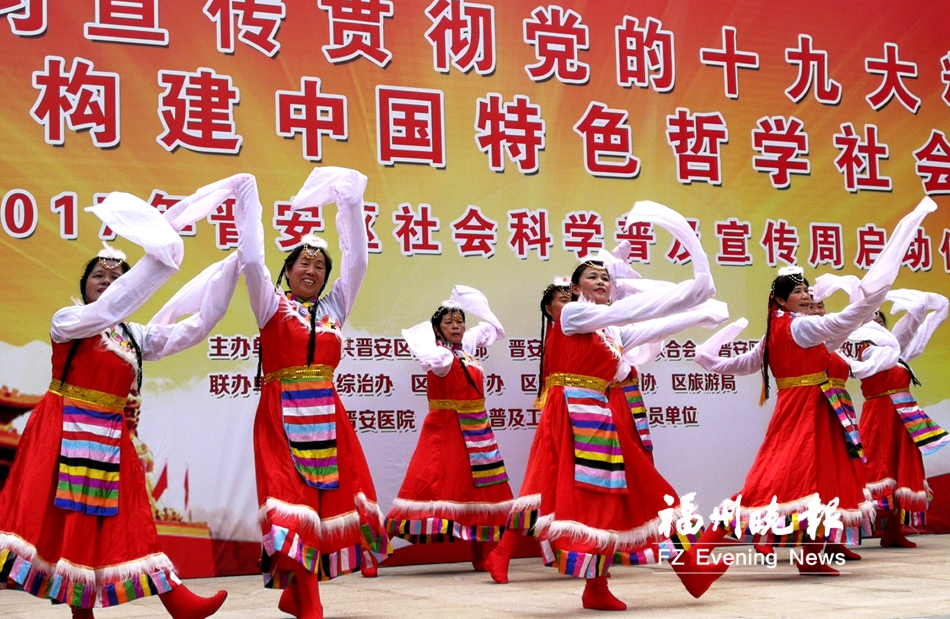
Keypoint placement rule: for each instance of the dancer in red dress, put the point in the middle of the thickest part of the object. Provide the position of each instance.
(76, 526)
(600, 496)
(318, 512)
(895, 432)
(812, 437)
(456, 487)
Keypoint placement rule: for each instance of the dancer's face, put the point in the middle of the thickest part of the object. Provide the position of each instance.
(798, 300)
(558, 301)
(594, 285)
(99, 279)
(307, 275)
(453, 328)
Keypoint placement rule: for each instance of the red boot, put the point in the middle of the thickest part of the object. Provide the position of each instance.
(497, 562)
(183, 604)
(696, 577)
(290, 600)
(841, 549)
(809, 564)
(480, 553)
(764, 549)
(598, 597)
(893, 537)
(309, 595)
(82, 613)
(370, 566)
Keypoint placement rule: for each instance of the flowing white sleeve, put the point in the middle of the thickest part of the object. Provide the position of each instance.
(707, 353)
(710, 315)
(204, 300)
(485, 333)
(579, 317)
(247, 216)
(925, 312)
(434, 358)
(137, 221)
(873, 359)
(345, 187)
(833, 329)
(119, 301)
(587, 317)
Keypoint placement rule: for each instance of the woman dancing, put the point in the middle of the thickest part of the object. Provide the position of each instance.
(76, 525)
(318, 513)
(806, 454)
(456, 487)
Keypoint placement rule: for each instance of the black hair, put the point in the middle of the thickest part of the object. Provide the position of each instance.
(880, 314)
(436, 321)
(579, 272)
(546, 299)
(782, 287)
(87, 271)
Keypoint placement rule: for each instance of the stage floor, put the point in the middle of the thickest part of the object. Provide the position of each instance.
(886, 584)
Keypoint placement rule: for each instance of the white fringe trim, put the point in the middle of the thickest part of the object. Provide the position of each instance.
(404, 509)
(906, 495)
(603, 540)
(308, 517)
(87, 575)
(312, 523)
(527, 503)
(849, 517)
(884, 486)
(125, 354)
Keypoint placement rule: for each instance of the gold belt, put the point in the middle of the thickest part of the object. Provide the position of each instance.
(322, 372)
(635, 382)
(459, 406)
(809, 380)
(560, 379)
(889, 392)
(89, 396)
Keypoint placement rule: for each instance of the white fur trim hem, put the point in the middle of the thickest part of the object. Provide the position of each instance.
(94, 577)
(604, 540)
(849, 517)
(527, 503)
(310, 520)
(404, 509)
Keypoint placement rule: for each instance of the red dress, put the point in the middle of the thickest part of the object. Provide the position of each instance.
(895, 468)
(438, 500)
(804, 452)
(583, 530)
(324, 530)
(67, 556)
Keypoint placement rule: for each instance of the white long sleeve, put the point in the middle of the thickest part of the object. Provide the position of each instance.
(925, 312)
(474, 303)
(324, 186)
(119, 301)
(137, 221)
(833, 329)
(345, 187)
(882, 352)
(707, 353)
(581, 317)
(709, 314)
(204, 300)
(263, 297)
(434, 358)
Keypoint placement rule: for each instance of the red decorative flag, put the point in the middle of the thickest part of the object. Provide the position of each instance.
(161, 485)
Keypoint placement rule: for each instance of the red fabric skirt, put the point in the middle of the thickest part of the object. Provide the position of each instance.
(71, 557)
(439, 486)
(323, 530)
(588, 522)
(895, 467)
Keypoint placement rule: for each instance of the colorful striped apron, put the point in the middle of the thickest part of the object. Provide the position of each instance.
(926, 433)
(488, 467)
(309, 415)
(89, 451)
